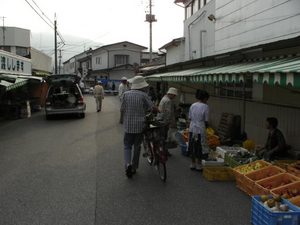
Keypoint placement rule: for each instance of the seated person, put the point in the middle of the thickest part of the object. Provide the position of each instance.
(276, 145)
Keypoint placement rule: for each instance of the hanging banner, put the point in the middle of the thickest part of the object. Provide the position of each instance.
(14, 64)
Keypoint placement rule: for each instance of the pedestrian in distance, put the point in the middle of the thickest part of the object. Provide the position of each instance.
(166, 109)
(99, 95)
(134, 106)
(122, 88)
(198, 116)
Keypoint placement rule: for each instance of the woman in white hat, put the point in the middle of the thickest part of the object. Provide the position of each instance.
(134, 107)
(166, 110)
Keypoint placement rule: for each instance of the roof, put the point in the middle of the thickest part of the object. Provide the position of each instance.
(285, 71)
(118, 43)
(174, 42)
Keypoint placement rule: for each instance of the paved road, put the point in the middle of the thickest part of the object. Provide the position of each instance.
(69, 171)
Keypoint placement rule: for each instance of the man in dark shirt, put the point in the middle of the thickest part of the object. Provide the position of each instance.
(276, 145)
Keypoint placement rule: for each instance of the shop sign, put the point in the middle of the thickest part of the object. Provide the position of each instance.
(14, 64)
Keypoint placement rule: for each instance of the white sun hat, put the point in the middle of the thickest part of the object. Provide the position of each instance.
(172, 91)
(138, 82)
(124, 78)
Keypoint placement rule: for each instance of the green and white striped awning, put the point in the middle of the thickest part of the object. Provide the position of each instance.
(7, 85)
(285, 71)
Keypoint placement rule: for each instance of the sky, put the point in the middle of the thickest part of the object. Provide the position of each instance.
(91, 23)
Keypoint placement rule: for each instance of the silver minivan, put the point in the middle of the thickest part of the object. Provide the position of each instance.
(64, 96)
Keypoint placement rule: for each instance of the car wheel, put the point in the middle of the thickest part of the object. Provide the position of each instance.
(48, 117)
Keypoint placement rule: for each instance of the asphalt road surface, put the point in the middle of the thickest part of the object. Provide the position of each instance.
(69, 171)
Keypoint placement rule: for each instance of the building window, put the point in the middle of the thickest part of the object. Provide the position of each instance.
(121, 60)
(22, 51)
(6, 48)
(98, 60)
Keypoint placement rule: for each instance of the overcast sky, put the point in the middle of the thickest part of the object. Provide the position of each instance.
(101, 21)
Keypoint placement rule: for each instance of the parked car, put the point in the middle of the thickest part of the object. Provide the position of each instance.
(64, 96)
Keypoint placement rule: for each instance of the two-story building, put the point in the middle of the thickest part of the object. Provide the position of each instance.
(110, 62)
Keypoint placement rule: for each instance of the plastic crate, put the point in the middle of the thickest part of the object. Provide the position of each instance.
(284, 163)
(222, 150)
(263, 173)
(262, 215)
(240, 177)
(218, 173)
(293, 170)
(295, 201)
(287, 188)
(263, 187)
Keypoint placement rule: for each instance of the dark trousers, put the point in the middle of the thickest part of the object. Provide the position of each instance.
(195, 147)
(134, 140)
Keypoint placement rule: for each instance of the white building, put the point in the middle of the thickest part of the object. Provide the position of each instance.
(17, 41)
(175, 51)
(117, 60)
(214, 27)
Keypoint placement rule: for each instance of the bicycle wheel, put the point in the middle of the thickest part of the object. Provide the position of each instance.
(162, 170)
(161, 164)
(150, 156)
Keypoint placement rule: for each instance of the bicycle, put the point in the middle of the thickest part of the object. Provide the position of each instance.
(155, 146)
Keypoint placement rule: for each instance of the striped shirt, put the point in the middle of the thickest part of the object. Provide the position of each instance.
(135, 105)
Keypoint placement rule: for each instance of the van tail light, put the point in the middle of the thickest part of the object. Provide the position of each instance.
(80, 101)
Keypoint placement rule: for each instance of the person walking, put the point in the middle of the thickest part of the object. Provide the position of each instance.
(99, 95)
(122, 88)
(166, 111)
(134, 105)
(198, 115)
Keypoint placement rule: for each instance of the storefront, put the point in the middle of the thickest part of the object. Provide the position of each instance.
(254, 90)
(19, 90)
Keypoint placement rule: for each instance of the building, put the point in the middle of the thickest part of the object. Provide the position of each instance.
(21, 72)
(213, 27)
(174, 50)
(17, 41)
(117, 60)
(110, 62)
(246, 54)
(41, 63)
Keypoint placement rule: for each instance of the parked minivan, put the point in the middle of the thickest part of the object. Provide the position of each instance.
(64, 96)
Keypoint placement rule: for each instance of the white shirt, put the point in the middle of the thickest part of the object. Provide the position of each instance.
(122, 89)
(198, 115)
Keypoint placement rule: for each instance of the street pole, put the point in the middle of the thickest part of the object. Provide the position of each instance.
(3, 28)
(59, 67)
(150, 22)
(55, 46)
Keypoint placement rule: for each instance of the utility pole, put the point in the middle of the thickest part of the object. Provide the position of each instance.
(3, 30)
(150, 18)
(55, 45)
(59, 67)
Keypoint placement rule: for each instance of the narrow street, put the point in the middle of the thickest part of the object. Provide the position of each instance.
(69, 171)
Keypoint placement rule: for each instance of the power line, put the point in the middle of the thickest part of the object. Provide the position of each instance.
(52, 24)
(39, 14)
(42, 12)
